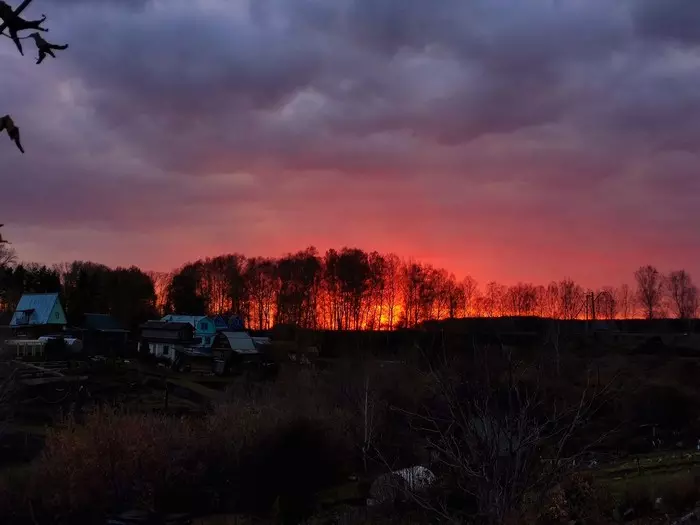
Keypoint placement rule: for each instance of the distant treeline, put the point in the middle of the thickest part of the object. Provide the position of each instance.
(347, 289)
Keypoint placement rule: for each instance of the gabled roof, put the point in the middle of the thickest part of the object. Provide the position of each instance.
(34, 309)
(240, 342)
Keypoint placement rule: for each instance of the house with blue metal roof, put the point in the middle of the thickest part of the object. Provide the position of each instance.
(39, 313)
(205, 327)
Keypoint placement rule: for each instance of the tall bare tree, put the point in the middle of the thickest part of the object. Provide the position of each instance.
(626, 304)
(605, 303)
(161, 283)
(552, 300)
(521, 299)
(471, 292)
(571, 299)
(392, 276)
(493, 296)
(650, 286)
(683, 294)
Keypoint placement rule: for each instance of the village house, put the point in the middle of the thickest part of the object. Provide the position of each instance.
(38, 314)
(165, 339)
(205, 327)
(102, 334)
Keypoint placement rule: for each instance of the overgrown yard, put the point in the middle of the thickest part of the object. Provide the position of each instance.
(309, 445)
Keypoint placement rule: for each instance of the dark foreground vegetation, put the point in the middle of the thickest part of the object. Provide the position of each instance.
(531, 434)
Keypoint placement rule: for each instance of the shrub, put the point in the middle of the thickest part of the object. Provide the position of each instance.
(243, 456)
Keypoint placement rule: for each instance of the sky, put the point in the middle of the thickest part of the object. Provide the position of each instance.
(512, 140)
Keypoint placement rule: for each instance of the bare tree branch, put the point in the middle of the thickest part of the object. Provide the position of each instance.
(500, 435)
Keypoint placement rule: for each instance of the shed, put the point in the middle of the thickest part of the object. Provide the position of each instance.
(233, 350)
(102, 334)
(238, 342)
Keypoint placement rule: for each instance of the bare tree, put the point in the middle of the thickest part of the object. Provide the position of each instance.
(625, 301)
(605, 304)
(493, 297)
(161, 282)
(392, 277)
(8, 255)
(521, 299)
(500, 436)
(572, 299)
(650, 285)
(471, 291)
(551, 301)
(683, 294)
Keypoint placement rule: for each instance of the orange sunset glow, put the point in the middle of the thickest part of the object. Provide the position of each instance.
(474, 141)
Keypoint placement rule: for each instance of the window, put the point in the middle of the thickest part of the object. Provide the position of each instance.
(56, 315)
(204, 326)
(207, 340)
(166, 350)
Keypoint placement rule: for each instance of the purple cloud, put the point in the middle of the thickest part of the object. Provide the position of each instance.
(257, 121)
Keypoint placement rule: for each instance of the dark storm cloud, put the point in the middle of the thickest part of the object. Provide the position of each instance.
(375, 66)
(564, 100)
(676, 21)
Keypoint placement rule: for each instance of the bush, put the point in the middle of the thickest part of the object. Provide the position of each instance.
(242, 457)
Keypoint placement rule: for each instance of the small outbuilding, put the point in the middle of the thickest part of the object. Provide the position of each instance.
(236, 351)
(102, 334)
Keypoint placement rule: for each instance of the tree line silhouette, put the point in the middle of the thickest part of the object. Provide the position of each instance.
(346, 289)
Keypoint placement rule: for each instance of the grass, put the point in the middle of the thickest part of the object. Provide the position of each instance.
(657, 463)
(654, 484)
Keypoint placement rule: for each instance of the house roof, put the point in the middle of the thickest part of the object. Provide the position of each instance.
(101, 322)
(164, 325)
(38, 306)
(190, 319)
(240, 342)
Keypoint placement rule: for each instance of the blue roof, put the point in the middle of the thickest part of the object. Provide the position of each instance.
(36, 308)
(191, 319)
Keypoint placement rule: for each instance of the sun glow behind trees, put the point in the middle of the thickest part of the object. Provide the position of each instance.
(351, 289)
(345, 289)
